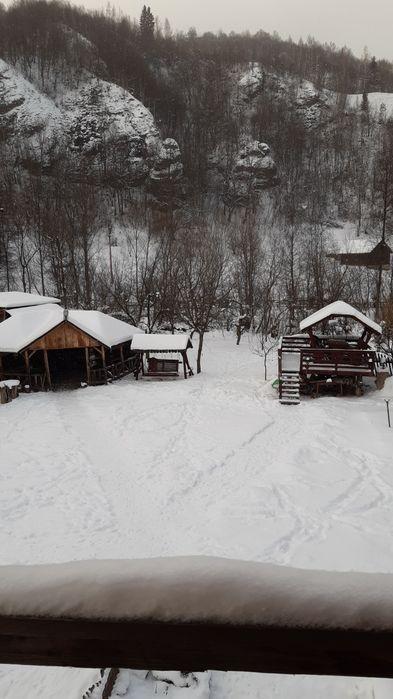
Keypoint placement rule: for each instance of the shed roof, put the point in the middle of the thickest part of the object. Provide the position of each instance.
(19, 299)
(28, 324)
(340, 308)
(160, 342)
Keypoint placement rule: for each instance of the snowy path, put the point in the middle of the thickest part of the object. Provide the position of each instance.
(213, 465)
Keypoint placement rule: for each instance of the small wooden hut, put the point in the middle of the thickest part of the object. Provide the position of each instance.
(332, 351)
(157, 352)
(45, 346)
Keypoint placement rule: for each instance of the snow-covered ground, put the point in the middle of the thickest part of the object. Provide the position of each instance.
(212, 465)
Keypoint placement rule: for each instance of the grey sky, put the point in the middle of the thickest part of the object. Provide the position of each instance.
(354, 23)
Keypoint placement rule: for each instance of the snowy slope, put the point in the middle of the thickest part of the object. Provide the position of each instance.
(375, 101)
(95, 110)
(214, 466)
(27, 111)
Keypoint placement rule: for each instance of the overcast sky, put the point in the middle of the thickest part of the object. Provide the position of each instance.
(354, 23)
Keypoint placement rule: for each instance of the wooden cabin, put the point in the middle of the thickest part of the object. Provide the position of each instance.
(332, 351)
(45, 346)
(157, 355)
(379, 257)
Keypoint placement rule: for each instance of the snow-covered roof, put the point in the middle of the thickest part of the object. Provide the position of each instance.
(160, 342)
(28, 324)
(199, 589)
(19, 299)
(340, 308)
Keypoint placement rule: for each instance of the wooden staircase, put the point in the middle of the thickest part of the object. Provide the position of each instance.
(290, 388)
(289, 374)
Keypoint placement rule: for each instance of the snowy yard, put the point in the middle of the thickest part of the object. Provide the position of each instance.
(213, 465)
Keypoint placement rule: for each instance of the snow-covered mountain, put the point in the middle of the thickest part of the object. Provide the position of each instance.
(91, 119)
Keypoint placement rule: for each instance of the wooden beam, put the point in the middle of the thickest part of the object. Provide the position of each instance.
(27, 365)
(195, 646)
(88, 377)
(47, 369)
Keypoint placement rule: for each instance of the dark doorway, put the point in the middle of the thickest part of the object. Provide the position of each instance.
(67, 367)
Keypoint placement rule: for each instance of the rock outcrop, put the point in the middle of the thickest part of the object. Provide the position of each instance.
(166, 176)
(254, 171)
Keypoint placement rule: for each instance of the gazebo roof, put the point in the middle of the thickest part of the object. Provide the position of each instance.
(20, 299)
(142, 342)
(26, 325)
(336, 309)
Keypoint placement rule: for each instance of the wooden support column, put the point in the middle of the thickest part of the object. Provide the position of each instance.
(47, 369)
(27, 365)
(88, 377)
(191, 373)
(104, 363)
(184, 364)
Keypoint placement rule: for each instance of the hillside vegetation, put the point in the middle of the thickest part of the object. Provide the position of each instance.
(183, 178)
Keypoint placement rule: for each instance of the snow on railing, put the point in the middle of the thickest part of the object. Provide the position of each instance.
(197, 613)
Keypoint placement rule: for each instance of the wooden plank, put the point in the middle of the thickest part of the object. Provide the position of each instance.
(196, 646)
(64, 336)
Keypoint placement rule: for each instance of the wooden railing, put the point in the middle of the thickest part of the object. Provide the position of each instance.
(305, 622)
(195, 646)
(112, 372)
(320, 360)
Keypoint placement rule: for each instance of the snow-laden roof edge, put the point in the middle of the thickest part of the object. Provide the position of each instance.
(143, 342)
(199, 589)
(26, 325)
(340, 308)
(21, 299)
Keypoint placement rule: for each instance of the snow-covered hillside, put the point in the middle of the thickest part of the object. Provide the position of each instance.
(82, 118)
(375, 101)
(213, 465)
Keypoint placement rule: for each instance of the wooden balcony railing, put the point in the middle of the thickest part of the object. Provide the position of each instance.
(337, 361)
(267, 618)
(112, 372)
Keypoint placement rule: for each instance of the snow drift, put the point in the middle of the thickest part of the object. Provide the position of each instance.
(199, 589)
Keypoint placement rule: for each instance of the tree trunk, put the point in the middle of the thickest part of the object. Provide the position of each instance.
(199, 354)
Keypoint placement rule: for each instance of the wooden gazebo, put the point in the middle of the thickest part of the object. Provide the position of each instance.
(156, 353)
(332, 350)
(45, 346)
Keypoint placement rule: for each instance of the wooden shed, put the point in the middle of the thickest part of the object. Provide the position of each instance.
(46, 346)
(157, 354)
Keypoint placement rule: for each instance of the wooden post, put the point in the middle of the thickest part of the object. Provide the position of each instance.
(184, 364)
(27, 365)
(190, 371)
(1, 366)
(47, 369)
(88, 378)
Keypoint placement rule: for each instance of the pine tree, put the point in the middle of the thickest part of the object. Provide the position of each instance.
(146, 26)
